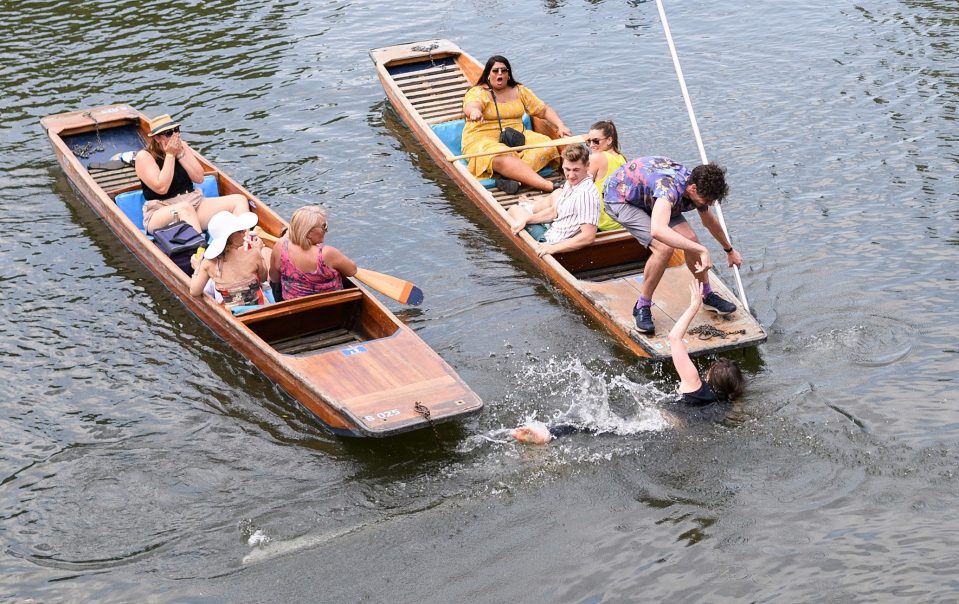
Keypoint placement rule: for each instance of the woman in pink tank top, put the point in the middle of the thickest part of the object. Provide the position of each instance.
(302, 264)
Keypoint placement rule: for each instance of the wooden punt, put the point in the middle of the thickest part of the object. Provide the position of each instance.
(425, 83)
(343, 355)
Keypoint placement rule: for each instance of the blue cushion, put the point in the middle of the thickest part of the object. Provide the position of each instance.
(131, 202)
(209, 186)
(451, 133)
(537, 231)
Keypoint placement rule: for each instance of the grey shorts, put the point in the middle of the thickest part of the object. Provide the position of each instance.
(636, 221)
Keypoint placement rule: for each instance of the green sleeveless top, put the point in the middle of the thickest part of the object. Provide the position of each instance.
(613, 162)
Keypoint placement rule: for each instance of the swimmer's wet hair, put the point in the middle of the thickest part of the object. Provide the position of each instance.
(726, 379)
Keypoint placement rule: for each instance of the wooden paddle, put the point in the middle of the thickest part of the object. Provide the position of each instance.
(402, 291)
(569, 140)
(392, 287)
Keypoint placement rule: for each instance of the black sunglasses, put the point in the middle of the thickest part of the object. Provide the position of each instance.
(170, 132)
(594, 141)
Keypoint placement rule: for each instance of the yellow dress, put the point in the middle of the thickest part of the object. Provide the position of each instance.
(484, 136)
(613, 162)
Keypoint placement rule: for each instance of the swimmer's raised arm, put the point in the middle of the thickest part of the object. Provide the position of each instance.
(688, 374)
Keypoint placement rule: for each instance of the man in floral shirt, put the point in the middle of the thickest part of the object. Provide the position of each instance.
(648, 196)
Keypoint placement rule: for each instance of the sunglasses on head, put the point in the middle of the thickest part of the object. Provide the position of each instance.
(170, 132)
(499, 70)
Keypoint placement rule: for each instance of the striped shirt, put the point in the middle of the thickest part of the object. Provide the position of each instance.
(577, 205)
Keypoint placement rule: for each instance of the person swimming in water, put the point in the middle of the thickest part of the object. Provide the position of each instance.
(538, 433)
(724, 380)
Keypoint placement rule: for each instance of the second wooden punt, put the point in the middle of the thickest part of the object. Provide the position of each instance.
(343, 355)
(425, 83)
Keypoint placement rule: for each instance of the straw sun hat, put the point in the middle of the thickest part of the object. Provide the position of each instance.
(161, 123)
(222, 225)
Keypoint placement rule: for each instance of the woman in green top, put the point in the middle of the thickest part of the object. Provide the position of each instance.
(605, 157)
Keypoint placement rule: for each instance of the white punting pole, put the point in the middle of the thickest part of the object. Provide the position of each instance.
(699, 139)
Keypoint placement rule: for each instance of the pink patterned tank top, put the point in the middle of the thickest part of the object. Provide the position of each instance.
(296, 283)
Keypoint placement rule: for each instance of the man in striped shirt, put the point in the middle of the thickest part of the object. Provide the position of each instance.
(572, 211)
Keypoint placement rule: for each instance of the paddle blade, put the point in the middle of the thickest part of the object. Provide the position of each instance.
(268, 239)
(402, 291)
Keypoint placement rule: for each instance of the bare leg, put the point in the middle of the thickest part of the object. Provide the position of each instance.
(518, 217)
(655, 267)
(661, 254)
(235, 204)
(511, 166)
(691, 259)
(165, 215)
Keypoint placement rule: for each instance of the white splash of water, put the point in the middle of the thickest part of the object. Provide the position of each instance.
(258, 538)
(272, 549)
(581, 397)
(587, 394)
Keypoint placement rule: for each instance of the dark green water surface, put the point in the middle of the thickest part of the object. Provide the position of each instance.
(143, 460)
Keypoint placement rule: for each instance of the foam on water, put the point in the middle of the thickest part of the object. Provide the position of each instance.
(565, 391)
(584, 398)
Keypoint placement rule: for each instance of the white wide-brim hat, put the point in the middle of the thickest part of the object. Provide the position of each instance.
(222, 225)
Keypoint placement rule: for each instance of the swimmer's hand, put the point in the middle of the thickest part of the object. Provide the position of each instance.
(695, 294)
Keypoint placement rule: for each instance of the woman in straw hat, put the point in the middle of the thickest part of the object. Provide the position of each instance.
(167, 169)
(235, 261)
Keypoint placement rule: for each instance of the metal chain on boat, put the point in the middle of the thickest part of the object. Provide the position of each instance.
(429, 49)
(707, 332)
(425, 412)
(83, 151)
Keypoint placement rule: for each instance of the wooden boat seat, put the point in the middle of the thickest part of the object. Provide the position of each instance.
(88, 146)
(435, 92)
(289, 308)
(451, 133)
(131, 202)
(320, 321)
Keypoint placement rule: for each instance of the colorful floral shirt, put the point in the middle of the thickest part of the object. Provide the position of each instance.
(645, 179)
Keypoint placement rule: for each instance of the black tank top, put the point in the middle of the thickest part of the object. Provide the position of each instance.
(180, 184)
(701, 397)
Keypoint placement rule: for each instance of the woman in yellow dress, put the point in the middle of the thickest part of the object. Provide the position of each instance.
(496, 89)
(605, 158)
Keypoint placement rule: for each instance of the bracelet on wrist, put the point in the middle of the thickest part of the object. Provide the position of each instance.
(728, 250)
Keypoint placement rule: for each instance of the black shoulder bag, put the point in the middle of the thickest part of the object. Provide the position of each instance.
(511, 137)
